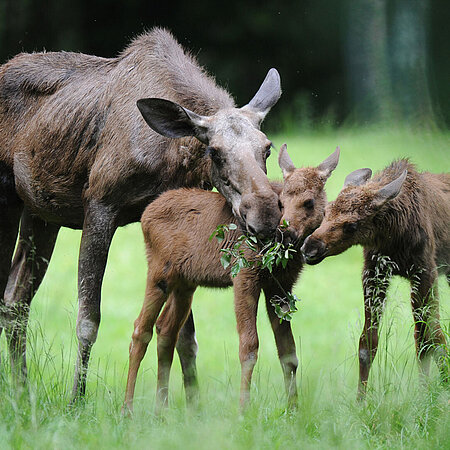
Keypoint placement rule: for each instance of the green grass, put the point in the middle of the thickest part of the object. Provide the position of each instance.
(399, 412)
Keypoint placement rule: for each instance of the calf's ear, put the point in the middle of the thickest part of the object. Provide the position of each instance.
(390, 190)
(172, 120)
(358, 177)
(285, 161)
(329, 164)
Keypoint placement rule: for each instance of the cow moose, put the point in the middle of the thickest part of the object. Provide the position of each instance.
(180, 256)
(75, 151)
(401, 217)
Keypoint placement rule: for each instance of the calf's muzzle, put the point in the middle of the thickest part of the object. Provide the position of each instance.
(314, 250)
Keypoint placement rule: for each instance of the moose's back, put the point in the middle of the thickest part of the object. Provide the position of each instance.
(438, 203)
(176, 228)
(70, 127)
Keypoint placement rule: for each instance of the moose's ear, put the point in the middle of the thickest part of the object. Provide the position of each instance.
(172, 120)
(390, 190)
(358, 177)
(285, 161)
(328, 165)
(267, 95)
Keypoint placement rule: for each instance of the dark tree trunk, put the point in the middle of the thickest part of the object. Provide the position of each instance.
(366, 60)
(408, 55)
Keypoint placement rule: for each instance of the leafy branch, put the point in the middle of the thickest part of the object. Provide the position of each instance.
(267, 255)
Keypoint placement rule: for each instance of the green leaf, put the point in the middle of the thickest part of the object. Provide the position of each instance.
(235, 270)
(232, 226)
(225, 260)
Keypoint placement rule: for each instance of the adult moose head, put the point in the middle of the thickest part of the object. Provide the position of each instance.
(237, 148)
(75, 152)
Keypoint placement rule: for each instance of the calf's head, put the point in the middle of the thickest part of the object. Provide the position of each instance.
(349, 219)
(237, 148)
(303, 197)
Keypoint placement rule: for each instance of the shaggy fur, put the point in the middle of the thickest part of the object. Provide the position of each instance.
(408, 223)
(76, 152)
(181, 257)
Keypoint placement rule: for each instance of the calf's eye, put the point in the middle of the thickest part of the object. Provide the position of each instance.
(309, 204)
(280, 205)
(350, 228)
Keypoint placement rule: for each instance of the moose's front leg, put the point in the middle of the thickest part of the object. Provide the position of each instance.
(246, 296)
(98, 230)
(285, 346)
(375, 284)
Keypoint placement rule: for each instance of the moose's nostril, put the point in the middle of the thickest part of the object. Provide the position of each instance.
(251, 230)
(312, 247)
(313, 250)
(304, 248)
(308, 251)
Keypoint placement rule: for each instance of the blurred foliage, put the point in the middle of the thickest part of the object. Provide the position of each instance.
(357, 61)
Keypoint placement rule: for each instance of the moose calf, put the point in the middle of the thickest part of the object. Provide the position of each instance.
(401, 217)
(180, 257)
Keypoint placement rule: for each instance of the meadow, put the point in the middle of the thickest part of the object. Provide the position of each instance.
(399, 413)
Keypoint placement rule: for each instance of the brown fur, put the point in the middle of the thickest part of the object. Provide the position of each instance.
(181, 257)
(412, 229)
(76, 152)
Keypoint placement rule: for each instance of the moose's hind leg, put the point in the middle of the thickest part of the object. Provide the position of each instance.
(34, 249)
(187, 348)
(168, 327)
(11, 208)
(430, 339)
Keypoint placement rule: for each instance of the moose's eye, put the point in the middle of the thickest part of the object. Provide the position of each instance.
(213, 153)
(350, 228)
(309, 204)
(267, 151)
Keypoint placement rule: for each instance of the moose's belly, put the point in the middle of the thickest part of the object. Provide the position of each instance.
(59, 196)
(56, 198)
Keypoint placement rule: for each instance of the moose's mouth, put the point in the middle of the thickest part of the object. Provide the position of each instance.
(313, 260)
(314, 251)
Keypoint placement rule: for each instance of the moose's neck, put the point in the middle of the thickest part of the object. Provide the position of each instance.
(398, 228)
(178, 74)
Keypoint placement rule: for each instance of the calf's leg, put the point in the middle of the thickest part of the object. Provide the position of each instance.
(246, 296)
(429, 337)
(168, 327)
(187, 349)
(155, 297)
(374, 298)
(286, 348)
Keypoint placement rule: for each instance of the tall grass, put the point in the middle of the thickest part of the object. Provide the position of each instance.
(399, 412)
